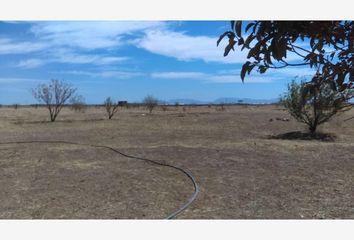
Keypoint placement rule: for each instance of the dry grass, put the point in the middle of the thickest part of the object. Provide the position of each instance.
(241, 172)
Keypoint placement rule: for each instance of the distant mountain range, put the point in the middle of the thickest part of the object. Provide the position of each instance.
(226, 100)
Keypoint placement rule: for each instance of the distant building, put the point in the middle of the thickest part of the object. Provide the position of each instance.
(122, 103)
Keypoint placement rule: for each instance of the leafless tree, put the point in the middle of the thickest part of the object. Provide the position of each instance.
(54, 95)
(111, 107)
(164, 106)
(150, 102)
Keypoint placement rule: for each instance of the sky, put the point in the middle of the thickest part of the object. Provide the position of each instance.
(128, 60)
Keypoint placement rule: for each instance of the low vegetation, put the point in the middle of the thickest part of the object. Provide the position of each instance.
(315, 102)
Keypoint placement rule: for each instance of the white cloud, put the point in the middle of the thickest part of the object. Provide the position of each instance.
(292, 71)
(64, 55)
(186, 48)
(178, 75)
(69, 42)
(285, 73)
(8, 46)
(104, 74)
(18, 81)
(69, 56)
(237, 79)
(30, 63)
(215, 78)
(90, 34)
(233, 75)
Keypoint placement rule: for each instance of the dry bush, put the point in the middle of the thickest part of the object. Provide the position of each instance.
(220, 107)
(78, 104)
(111, 107)
(164, 108)
(150, 102)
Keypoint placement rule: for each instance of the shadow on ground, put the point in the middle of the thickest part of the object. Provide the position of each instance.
(298, 135)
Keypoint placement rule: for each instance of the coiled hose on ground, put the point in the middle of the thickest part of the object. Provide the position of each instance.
(189, 175)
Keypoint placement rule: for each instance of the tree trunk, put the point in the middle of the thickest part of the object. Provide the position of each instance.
(312, 128)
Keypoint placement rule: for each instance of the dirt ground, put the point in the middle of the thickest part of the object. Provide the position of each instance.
(242, 174)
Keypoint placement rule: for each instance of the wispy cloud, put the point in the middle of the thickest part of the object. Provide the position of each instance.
(233, 75)
(9, 46)
(237, 79)
(186, 48)
(213, 78)
(284, 73)
(104, 74)
(73, 42)
(90, 35)
(291, 72)
(178, 75)
(64, 55)
(18, 81)
(30, 63)
(68, 56)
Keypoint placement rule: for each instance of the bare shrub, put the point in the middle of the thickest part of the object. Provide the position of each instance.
(164, 108)
(315, 102)
(111, 107)
(78, 104)
(150, 102)
(220, 107)
(54, 95)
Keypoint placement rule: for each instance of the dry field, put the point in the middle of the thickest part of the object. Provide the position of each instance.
(241, 173)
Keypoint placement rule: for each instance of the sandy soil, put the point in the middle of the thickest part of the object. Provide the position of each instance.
(240, 171)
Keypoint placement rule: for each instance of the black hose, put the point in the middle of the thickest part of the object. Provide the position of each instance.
(190, 176)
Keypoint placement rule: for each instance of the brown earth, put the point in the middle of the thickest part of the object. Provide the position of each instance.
(242, 172)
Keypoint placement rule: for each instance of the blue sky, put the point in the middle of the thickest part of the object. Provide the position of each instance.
(128, 60)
